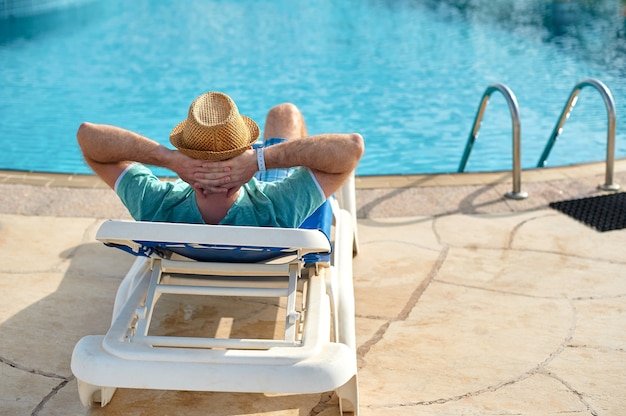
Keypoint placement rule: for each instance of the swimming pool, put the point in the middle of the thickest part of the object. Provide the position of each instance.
(408, 75)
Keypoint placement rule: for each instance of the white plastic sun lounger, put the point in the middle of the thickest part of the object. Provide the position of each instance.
(310, 269)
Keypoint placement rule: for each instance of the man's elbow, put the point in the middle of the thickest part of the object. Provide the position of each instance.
(85, 137)
(83, 133)
(357, 148)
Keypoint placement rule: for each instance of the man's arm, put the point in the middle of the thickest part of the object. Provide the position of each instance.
(331, 158)
(108, 150)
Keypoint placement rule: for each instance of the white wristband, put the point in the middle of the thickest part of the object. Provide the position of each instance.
(260, 159)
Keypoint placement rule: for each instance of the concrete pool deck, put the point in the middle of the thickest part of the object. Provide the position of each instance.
(466, 303)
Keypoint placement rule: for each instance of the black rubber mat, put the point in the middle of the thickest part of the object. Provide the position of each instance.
(604, 212)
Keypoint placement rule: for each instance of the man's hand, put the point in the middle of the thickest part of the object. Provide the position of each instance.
(228, 175)
(192, 171)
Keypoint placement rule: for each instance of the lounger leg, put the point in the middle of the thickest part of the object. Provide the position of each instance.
(90, 394)
(129, 283)
(349, 397)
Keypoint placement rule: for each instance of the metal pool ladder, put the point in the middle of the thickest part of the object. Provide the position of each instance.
(611, 117)
(517, 192)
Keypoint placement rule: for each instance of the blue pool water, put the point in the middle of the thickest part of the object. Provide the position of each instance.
(408, 75)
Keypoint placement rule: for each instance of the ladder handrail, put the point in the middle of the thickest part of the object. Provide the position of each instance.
(611, 123)
(516, 193)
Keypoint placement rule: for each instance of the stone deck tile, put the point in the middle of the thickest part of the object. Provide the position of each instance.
(512, 307)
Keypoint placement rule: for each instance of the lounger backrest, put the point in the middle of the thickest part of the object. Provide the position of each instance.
(146, 239)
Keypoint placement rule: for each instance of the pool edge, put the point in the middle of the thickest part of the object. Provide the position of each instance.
(362, 182)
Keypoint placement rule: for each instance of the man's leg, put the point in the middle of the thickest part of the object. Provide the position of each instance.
(283, 122)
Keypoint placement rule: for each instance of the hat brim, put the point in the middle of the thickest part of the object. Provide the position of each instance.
(176, 137)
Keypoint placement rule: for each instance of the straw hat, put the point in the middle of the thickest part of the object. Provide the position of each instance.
(214, 129)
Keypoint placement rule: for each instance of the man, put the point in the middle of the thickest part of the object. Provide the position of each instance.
(216, 163)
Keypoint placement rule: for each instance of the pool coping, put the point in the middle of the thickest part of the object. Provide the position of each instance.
(362, 182)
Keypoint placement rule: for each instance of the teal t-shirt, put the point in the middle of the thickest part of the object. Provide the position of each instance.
(286, 203)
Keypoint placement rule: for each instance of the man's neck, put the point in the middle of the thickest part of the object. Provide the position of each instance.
(214, 207)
